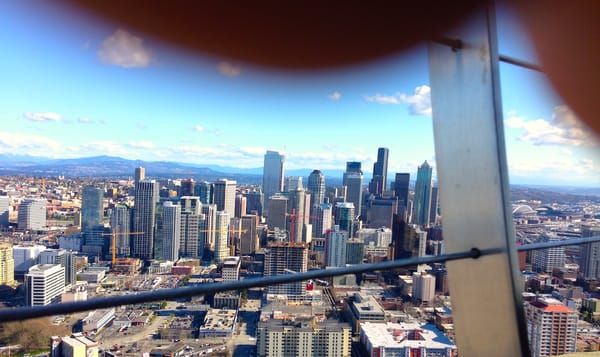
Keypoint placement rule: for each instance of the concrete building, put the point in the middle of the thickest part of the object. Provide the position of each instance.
(218, 323)
(222, 236)
(423, 287)
(32, 215)
(67, 259)
(4, 210)
(170, 230)
(7, 264)
(551, 327)
(380, 237)
(381, 211)
(363, 308)
(278, 204)
(323, 214)
(240, 205)
(231, 269)
(296, 214)
(44, 284)
(207, 229)
(405, 339)
(248, 235)
(224, 195)
(545, 260)
(327, 338)
(190, 224)
(335, 247)
(316, 188)
(26, 256)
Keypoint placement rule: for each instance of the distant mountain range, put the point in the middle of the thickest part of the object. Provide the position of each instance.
(116, 167)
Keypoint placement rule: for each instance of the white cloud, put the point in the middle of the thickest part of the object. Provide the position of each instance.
(563, 129)
(48, 116)
(84, 120)
(419, 103)
(199, 128)
(142, 144)
(28, 144)
(382, 99)
(336, 95)
(124, 50)
(228, 69)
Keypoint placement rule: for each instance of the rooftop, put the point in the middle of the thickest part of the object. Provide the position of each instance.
(399, 335)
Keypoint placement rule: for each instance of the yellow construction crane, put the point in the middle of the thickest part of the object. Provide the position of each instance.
(114, 242)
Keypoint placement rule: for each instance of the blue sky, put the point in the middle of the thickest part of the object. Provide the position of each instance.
(73, 87)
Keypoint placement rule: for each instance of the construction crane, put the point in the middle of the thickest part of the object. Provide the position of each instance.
(294, 215)
(114, 242)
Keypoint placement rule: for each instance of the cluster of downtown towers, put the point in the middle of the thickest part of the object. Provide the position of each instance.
(213, 220)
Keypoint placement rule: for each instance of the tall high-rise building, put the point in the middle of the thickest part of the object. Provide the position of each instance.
(316, 187)
(240, 205)
(7, 264)
(335, 247)
(296, 214)
(279, 208)
(422, 204)
(224, 195)
(286, 258)
(545, 260)
(4, 213)
(190, 226)
(140, 174)
(378, 183)
(91, 207)
(322, 221)
(170, 231)
(433, 209)
(44, 284)
(26, 256)
(32, 214)
(205, 191)
(255, 201)
(273, 175)
(188, 187)
(66, 259)
(222, 235)
(293, 183)
(120, 220)
(551, 328)
(248, 235)
(380, 211)
(401, 185)
(146, 197)
(353, 180)
(355, 251)
(590, 253)
(208, 223)
(344, 217)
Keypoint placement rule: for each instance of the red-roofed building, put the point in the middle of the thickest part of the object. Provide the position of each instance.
(552, 327)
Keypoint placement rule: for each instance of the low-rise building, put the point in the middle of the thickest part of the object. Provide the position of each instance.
(304, 337)
(405, 339)
(218, 323)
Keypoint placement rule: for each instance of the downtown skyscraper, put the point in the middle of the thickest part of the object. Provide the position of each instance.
(273, 175)
(91, 207)
(401, 189)
(353, 180)
(120, 219)
(224, 195)
(146, 197)
(190, 225)
(422, 204)
(590, 253)
(169, 230)
(378, 183)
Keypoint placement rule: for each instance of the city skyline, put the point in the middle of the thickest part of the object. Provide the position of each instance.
(78, 88)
